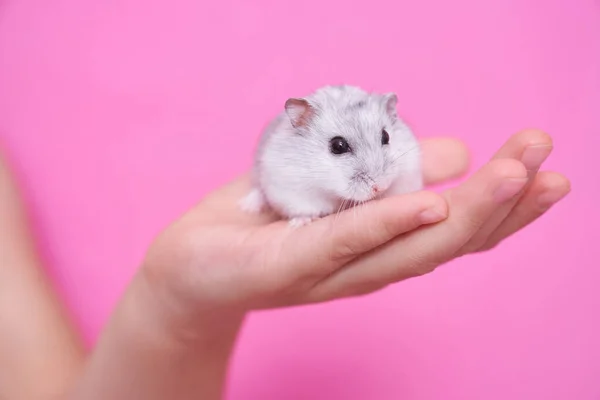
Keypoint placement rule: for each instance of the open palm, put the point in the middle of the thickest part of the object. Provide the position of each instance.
(217, 255)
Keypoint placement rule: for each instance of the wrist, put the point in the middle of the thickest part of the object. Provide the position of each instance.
(177, 318)
(152, 349)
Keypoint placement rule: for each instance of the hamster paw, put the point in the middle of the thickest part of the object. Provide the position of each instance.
(254, 202)
(300, 221)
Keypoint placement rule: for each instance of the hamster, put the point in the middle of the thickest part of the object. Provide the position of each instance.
(338, 147)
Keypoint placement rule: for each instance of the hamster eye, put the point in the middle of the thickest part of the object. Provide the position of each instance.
(385, 137)
(339, 145)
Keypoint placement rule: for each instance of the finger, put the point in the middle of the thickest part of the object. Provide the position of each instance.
(316, 250)
(546, 190)
(443, 159)
(420, 251)
(531, 147)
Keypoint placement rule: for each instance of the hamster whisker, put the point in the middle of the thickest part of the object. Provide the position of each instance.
(401, 155)
(404, 153)
(354, 207)
(360, 209)
(345, 204)
(340, 209)
(370, 232)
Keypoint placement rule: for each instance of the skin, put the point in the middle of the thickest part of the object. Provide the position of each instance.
(172, 333)
(40, 352)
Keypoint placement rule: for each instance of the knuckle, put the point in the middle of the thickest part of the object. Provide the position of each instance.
(365, 289)
(384, 228)
(343, 250)
(507, 167)
(486, 247)
(424, 268)
(464, 227)
(430, 198)
(359, 287)
(474, 245)
(420, 263)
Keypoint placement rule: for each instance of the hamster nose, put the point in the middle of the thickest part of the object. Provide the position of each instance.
(375, 188)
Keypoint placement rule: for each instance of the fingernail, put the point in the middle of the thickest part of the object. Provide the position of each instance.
(508, 189)
(549, 198)
(431, 215)
(534, 156)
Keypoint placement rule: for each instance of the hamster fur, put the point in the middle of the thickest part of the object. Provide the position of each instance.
(335, 148)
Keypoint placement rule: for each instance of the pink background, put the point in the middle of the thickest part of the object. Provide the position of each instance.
(118, 115)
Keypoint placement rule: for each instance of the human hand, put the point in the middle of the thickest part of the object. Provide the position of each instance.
(173, 332)
(217, 257)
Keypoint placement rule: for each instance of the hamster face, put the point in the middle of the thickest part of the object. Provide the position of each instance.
(364, 149)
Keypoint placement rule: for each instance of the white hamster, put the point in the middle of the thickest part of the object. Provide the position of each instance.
(333, 149)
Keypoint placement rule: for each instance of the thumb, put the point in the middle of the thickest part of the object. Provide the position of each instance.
(320, 248)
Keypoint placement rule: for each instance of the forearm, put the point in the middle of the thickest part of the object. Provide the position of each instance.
(147, 352)
(40, 351)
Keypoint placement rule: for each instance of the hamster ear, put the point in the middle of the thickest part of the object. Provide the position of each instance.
(299, 111)
(390, 101)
